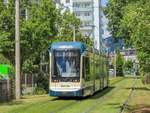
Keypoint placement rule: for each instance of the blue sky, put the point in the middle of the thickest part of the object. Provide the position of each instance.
(105, 22)
(104, 2)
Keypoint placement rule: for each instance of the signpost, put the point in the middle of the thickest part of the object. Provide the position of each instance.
(4, 70)
(5, 83)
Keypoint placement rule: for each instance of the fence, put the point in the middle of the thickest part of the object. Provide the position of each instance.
(33, 82)
(6, 90)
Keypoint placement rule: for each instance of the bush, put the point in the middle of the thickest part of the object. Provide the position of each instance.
(42, 81)
(39, 91)
(119, 64)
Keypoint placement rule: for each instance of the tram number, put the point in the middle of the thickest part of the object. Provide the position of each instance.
(65, 85)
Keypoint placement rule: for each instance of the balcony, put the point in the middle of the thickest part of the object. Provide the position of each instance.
(81, 9)
(85, 18)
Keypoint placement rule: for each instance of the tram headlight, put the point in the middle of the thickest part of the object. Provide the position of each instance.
(75, 80)
(56, 81)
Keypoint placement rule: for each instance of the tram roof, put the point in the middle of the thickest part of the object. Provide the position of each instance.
(68, 45)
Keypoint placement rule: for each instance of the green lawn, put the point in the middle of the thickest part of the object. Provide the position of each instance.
(140, 102)
(107, 101)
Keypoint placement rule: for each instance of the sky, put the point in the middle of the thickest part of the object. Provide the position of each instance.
(105, 22)
(104, 2)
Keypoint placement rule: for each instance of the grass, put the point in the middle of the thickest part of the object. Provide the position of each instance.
(140, 102)
(107, 101)
(110, 102)
(33, 104)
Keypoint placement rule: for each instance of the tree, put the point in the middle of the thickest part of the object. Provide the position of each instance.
(114, 11)
(7, 29)
(128, 65)
(44, 24)
(132, 25)
(37, 31)
(119, 64)
(137, 22)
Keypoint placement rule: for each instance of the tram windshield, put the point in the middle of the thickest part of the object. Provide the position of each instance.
(66, 63)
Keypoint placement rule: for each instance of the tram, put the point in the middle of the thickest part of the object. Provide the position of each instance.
(75, 70)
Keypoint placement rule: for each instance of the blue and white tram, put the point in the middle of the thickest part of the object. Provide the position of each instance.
(75, 70)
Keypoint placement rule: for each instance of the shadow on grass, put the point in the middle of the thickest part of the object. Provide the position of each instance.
(115, 105)
(11, 103)
(139, 88)
(101, 93)
(96, 95)
(21, 101)
(34, 96)
(141, 108)
(15, 103)
(66, 98)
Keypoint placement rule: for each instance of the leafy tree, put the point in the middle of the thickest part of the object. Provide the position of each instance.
(36, 32)
(119, 64)
(44, 24)
(66, 24)
(132, 20)
(7, 30)
(128, 65)
(115, 12)
(136, 20)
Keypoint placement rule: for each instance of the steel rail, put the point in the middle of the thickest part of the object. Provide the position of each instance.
(125, 104)
(77, 101)
(97, 102)
(65, 106)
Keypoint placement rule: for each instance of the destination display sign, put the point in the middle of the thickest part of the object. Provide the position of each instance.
(66, 54)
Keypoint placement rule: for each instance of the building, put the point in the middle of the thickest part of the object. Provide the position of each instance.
(113, 44)
(129, 54)
(89, 12)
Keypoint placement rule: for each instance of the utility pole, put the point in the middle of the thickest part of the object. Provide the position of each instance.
(115, 63)
(74, 33)
(17, 50)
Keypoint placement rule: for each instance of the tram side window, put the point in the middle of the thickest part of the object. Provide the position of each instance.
(86, 67)
(92, 67)
(97, 66)
(102, 66)
(106, 67)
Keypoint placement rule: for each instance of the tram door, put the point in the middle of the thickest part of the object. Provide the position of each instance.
(97, 74)
(87, 83)
(101, 72)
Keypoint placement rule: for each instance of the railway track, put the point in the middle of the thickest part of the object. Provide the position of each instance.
(125, 104)
(65, 106)
(98, 101)
(92, 106)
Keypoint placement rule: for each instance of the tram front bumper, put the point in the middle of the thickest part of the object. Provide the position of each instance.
(77, 93)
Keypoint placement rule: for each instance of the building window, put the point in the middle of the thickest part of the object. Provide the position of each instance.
(87, 23)
(67, 1)
(82, 4)
(77, 14)
(87, 14)
(5, 2)
(77, 5)
(57, 1)
(87, 5)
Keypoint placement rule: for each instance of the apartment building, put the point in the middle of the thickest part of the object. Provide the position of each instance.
(89, 12)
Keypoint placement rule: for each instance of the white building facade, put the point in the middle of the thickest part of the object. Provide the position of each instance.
(89, 12)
